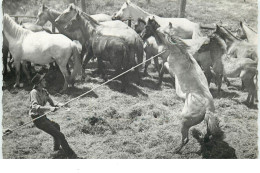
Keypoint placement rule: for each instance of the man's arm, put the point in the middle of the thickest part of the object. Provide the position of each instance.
(35, 105)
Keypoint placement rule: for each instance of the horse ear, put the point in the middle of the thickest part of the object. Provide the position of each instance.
(128, 2)
(170, 24)
(72, 6)
(153, 18)
(43, 7)
(241, 23)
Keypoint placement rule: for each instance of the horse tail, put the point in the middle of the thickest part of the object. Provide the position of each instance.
(77, 61)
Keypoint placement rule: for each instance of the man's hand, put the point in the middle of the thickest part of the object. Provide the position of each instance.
(53, 109)
(7, 131)
(59, 105)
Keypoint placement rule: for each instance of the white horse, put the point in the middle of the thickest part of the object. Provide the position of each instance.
(183, 27)
(40, 48)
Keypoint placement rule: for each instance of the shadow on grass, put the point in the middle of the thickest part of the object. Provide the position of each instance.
(215, 148)
(223, 94)
(75, 92)
(250, 106)
(130, 88)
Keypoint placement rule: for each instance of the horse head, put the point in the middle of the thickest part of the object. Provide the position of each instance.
(42, 16)
(73, 24)
(139, 27)
(150, 29)
(124, 13)
(67, 14)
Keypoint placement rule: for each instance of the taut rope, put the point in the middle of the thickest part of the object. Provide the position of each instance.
(19, 127)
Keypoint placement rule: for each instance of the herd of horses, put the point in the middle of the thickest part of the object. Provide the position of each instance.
(191, 59)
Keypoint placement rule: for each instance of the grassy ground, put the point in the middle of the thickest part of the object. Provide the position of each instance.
(146, 119)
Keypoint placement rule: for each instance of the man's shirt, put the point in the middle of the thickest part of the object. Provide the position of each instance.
(38, 98)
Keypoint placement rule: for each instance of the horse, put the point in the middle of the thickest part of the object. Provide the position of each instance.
(199, 104)
(133, 40)
(194, 45)
(235, 47)
(232, 67)
(107, 48)
(150, 46)
(182, 26)
(40, 48)
(31, 26)
(251, 35)
(46, 14)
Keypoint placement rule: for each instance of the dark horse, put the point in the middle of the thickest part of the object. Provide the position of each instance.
(107, 48)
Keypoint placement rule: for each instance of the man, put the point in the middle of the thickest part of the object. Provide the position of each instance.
(39, 96)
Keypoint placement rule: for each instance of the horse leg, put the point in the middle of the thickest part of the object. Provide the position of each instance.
(5, 56)
(124, 80)
(192, 114)
(17, 66)
(219, 82)
(157, 66)
(147, 63)
(161, 73)
(66, 77)
(208, 75)
(227, 81)
(101, 67)
(25, 70)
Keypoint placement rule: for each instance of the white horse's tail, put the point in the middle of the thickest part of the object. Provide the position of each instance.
(77, 62)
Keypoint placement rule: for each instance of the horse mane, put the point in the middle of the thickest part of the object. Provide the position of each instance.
(241, 24)
(217, 39)
(230, 33)
(54, 11)
(89, 18)
(176, 41)
(139, 8)
(13, 28)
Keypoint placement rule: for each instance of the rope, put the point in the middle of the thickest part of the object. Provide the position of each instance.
(19, 127)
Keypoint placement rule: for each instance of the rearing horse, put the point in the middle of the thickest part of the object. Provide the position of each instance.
(40, 48)
(199, 103)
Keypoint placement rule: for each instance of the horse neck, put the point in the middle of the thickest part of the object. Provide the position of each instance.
(217, 48)
(88, 33)
(158, 39)
(13, 30)
(52, 17)
(139, 13)
(250, 34)
(229, 38)
(182, 59)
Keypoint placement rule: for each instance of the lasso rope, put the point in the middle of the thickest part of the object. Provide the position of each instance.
(19, 127)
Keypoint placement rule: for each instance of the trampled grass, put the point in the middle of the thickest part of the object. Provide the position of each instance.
(146, 119)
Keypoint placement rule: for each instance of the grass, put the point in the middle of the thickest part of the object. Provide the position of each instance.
(146, 119)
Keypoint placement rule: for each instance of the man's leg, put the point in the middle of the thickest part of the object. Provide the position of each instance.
(47, 126)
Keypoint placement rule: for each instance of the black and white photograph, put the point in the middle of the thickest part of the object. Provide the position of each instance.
(129, 79)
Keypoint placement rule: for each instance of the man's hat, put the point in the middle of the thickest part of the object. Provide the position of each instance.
(37, 79)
